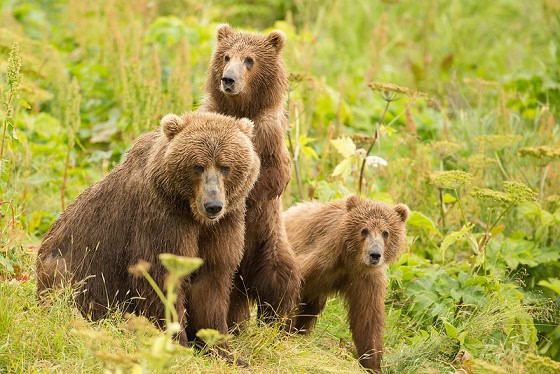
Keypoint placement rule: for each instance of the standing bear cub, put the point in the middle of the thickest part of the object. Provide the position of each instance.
(181, 190)
(345, 247)
(246, 78)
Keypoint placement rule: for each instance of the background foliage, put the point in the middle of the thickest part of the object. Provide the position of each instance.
(464, 101)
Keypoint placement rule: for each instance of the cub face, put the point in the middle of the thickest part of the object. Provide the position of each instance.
(210, 161)
(375, 232)
(243, 60)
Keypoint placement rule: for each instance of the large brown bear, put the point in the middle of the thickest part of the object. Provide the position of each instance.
(246, 78)
(181, 190)
(345, 247)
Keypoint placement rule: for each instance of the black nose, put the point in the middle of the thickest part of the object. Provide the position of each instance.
(228, 81)
(213, 207)
(374, 257)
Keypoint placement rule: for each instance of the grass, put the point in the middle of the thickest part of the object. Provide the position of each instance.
(477, 289)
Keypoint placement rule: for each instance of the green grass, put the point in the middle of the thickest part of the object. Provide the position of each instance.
(479, 286)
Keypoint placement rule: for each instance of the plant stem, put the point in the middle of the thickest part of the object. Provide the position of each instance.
(8, 104)
(295, 156)
(154, 286)
(13, 223)
(63, 189)
(506, 176)
(442, 210)
(371, 146)
(461, 207)
(543, 179)
(501, 215)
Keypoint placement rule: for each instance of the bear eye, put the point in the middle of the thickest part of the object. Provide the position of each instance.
(226, 58)
(225, 170)
(198, 169)
(364, 232)
(249, 62)
(385, 234)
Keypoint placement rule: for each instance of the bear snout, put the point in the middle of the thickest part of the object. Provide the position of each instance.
(374, 258)
(212, 208)
(211, 198)
(375, 253)
(232, 78)
(228, 81)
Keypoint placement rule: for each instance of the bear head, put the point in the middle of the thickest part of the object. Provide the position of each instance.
(247, 68)
(208, 162)
(374, 232)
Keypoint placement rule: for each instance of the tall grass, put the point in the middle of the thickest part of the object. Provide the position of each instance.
(476, 89)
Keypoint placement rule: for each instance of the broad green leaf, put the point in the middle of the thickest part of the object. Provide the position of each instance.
(421, 221)
(304, 140)
(324, 192)
(343, 169)
(450, 330)
(345, 146)
(552, 283)
(310, 152)
(455, 236)
(7, 264)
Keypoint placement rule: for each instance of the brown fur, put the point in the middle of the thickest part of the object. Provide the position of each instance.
(154, 203)
(268, 272)
(334, 256)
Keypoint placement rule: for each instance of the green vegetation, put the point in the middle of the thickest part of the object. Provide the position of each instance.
(448, 106)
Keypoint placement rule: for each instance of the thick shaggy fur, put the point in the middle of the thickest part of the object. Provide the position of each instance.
(333, 243)
(268, 273)
(154, 203)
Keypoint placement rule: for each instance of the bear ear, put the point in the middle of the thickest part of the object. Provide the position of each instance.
(352, 202)
(246, 126)
(277, 39)
(403, 211)
(224, 31)
(171, 125)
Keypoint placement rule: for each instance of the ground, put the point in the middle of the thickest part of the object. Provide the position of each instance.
(464, 95)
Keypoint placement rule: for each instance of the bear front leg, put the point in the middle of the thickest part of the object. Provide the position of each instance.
(208, 298)
(270, 144)
(309, 310)
(239, 305)
(270, 270)
(366, 302)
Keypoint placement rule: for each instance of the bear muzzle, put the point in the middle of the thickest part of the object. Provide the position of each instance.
(213, 208)
(375, 253)
(232, 78)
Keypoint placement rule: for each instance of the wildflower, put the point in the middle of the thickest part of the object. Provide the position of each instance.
(520, 192)
(375, 161)
(490, 197)
(444, 148)
(480, 161)
(179, 265)
(139, 268)
(497, 142)
(545, 154)
(452, 179)
(362, 138)
(361, 153)
(13, 75)
(390, 87)
(514, 193)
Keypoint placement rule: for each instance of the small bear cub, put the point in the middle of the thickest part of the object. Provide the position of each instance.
(345, 247)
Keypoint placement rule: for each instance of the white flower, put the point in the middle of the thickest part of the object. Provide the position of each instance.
(375, 161)
(361, 153)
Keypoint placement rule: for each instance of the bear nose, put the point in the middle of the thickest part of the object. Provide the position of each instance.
(374, 257)
(227, 80)
(213, 207)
